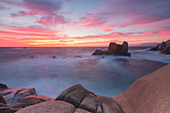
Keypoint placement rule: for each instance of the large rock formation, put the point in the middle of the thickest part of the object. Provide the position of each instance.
(163, 47)
(84, 99)
(149, 94)
(115, 49)
(75, 99)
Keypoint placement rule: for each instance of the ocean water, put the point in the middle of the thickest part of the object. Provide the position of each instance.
(108, 76)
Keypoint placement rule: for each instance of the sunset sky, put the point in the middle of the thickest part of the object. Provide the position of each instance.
(50, 23)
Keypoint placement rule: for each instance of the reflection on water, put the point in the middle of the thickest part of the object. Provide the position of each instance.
(105, 76)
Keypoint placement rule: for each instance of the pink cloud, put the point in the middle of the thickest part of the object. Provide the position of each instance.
(44, 7)
(1, 7)
(94, 21)
(48, 10)
(28, 32)
(52, 20)
(124, 13)
(44, 37)
(38, 6)
(23, 13)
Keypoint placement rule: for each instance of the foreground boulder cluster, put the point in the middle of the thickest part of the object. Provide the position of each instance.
(75, 99)
(163, 47)
(149, 94)
(114, 49)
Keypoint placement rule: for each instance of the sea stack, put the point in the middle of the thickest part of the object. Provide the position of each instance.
(114, 49)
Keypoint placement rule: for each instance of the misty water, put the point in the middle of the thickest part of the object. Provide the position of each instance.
(108, 76)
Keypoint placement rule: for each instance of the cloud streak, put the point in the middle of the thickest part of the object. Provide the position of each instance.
(124, 13)
(52, 20)
(48, 10)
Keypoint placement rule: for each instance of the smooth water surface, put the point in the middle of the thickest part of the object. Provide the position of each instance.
(108, 76)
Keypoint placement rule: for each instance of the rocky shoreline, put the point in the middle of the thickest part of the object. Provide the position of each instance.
(163, 47)
(140, 97)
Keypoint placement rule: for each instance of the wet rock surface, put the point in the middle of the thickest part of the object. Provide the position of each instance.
(13, 95)
(30, 100)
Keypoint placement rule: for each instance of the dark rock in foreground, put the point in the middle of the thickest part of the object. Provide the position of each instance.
(3, 86)
(115, 49)
(5, 108)
(2, 100)
(163, 47)
(13, 95)
(54, 57)
(75, 99)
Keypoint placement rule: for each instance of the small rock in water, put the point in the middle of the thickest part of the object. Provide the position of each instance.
(102, 56)
(54, 57)
(3, 86)
(32, 57)
(77, 56)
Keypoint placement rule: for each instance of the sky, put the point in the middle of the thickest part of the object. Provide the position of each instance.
(83, 23)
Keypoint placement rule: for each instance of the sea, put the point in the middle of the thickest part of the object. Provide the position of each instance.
(35, 67)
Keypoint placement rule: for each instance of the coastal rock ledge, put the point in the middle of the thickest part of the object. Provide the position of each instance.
(148, 94)
(114, 49)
